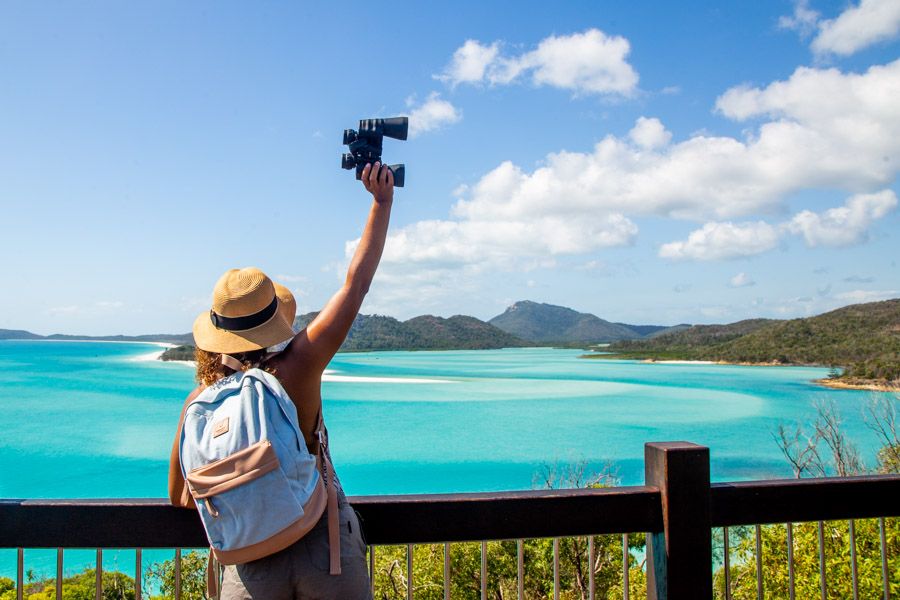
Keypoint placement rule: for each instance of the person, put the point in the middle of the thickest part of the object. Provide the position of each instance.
(302, 569)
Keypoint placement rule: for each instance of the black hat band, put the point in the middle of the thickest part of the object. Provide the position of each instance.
(246, 322)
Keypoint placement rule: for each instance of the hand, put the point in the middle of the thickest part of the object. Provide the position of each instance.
(379, 182)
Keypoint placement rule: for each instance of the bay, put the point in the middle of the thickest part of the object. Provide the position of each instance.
(92, 420)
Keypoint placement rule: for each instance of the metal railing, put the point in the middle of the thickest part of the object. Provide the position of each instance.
(678, 509)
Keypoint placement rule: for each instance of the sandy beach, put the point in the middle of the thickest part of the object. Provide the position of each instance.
(871, 386)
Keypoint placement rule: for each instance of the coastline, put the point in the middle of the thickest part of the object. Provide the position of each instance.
(859, 384)
(66, 341)
(149, 356)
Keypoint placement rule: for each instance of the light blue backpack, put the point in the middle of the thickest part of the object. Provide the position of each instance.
(256, 486)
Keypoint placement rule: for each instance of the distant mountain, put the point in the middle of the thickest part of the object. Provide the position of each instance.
(549, 323)
(862, 338)
(461, 332)
(698, 336)
(650, 331)
(18, 334)
(379, 332)
(168, 338)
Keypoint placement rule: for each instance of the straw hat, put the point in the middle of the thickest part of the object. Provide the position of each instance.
(246, 315)
(287, 304)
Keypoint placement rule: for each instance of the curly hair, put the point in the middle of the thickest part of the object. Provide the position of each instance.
(210, 368)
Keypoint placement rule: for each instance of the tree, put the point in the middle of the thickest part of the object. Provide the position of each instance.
(841, 458)
(193, 575)
(82, 586)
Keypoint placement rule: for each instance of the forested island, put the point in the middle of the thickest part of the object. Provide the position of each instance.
(861, 343)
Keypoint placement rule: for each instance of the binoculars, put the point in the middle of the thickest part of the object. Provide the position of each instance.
(366, 144)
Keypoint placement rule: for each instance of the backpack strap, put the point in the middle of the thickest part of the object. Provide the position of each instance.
(212, 576)
(231, 362)
(327, 469)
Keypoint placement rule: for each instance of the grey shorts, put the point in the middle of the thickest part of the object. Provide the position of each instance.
(300, 571)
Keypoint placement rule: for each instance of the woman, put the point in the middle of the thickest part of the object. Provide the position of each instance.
(301, 570)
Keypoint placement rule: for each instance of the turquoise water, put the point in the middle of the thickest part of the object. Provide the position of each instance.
(88, 420)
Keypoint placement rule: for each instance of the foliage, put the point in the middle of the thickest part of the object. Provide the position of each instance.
(806, 561)
(379, 332)
(548, 324)
(116, 586)
(193, 575)
(863, 338)
(825, 451)
(185, 352)
(391, 577)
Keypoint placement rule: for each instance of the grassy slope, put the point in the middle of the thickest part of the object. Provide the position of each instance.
(862, 338)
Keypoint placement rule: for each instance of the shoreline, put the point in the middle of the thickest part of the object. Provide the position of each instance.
(80, 341)
(858, 384)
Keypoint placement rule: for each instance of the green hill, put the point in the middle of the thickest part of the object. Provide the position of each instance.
(864, 339)
(548, 323)
(18, 334)
(168, 338)
(461, 332)
(696, 338)
(379, 332)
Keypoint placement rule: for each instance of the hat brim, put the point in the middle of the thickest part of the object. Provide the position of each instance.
(208, 337)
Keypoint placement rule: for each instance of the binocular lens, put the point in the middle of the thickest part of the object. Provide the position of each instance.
(347, 161)
(349, 136)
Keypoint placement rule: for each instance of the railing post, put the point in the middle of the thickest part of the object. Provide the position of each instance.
(680, 557)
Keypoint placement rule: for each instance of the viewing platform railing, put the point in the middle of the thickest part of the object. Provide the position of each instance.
(678, 508)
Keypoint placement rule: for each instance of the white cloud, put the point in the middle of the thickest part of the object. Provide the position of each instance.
(514, 242)
(818, 129)
(840, 226)
(804, 20)
(860, 26)
(844, 225)
(827, 129)
(591, 62)
(741, 280)
(718, 241)
(868, 295)
(649, 133)
(470, 63)
(432, 114)
(106, 305)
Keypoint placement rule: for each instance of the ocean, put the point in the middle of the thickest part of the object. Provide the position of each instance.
(94, 420)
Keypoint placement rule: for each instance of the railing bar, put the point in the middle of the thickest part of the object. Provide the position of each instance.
(626, 574)
(409, 571)
(759, 579)
(790, 554)
(884, 565)
(446, 571)
(372, 570)
(727, 564)
(20, 573)
(520, 569)
(555, 568)
(177, 573)
(590, 566)
(853, 573)
(59, 573)
(822, 585)
(483, 570)
(138, 574)
(99, 585)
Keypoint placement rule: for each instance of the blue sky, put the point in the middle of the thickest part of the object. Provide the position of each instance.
(647, 162)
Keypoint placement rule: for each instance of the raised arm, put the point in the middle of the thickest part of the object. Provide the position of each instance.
(317, 344)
